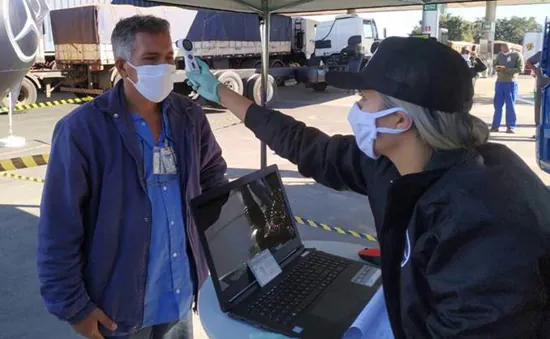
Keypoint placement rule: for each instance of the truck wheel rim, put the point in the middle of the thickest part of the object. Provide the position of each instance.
(233, 84)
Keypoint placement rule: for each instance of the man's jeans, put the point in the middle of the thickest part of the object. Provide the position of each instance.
(505, 92)
(182, 329)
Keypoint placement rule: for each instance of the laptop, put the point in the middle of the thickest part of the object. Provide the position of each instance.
(248, 232)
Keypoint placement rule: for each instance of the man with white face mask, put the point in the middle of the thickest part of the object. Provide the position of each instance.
(118, 251)
(465, 248)
(475, 64)
(508, 64)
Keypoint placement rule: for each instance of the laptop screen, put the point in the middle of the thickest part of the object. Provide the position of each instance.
(249, 216)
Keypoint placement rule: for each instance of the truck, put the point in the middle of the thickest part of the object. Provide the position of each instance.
(532, 43)
(333, 36)
(229, 42)
(543, 129)
(43, 74)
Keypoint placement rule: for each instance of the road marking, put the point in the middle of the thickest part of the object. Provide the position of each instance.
(24, 162)
(21, 177)
(20, 107)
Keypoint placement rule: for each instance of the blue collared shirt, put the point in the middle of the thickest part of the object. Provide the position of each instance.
(169, 290)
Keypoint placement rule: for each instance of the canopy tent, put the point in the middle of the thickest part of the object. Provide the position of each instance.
(264, 8)
(311, 6)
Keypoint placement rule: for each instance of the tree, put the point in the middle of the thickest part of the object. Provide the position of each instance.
(459, 29)
(513, 29)
(477, 29)
(417, 29)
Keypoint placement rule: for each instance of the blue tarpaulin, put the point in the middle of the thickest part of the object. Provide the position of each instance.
(211, 25)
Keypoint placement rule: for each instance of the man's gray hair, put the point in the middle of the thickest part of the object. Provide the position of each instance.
(124, 35)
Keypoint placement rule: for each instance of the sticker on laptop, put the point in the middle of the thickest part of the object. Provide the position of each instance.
(367, 276)
(264, 267)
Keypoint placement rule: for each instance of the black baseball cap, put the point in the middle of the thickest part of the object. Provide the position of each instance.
(420, 71)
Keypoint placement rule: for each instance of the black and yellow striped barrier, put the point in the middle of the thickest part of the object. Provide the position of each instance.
(338, 230)
(24, 162)
(46, 104)
(21, 177)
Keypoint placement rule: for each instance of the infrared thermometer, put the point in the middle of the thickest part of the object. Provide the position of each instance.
(186, 47)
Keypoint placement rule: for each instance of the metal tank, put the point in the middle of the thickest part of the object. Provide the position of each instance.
(20, 22)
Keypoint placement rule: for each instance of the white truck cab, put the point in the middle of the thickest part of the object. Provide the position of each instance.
(333, 36)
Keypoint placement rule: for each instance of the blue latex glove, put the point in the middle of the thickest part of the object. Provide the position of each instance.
(204, 83)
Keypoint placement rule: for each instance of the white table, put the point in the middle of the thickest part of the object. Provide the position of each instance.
(218, 325)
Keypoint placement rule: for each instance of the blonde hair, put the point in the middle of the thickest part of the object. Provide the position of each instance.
(443, 131)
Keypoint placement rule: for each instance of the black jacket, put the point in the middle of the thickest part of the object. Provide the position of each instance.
(476, 66)
(465, 244)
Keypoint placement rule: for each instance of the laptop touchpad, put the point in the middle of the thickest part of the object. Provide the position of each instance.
(337, 306)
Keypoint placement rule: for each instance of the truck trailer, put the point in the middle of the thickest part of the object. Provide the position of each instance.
(229, 42)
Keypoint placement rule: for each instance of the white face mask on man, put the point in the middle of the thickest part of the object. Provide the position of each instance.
(364, 127)
(155, 82)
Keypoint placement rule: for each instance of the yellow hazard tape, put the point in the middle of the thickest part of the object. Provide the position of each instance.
(21, 177)
(338, 230)
(46, 104)
(24, 162)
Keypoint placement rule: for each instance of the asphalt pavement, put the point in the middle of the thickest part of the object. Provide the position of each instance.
(22, 314)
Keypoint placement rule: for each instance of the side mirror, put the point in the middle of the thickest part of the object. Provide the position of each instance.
(354, 40)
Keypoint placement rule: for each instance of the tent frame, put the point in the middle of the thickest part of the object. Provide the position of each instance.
(265, 28)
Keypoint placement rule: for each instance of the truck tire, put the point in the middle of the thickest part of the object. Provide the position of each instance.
(320, 86)
(252, 63)
(277, 63)
(253, 89)
(232, 80)
(27, 95)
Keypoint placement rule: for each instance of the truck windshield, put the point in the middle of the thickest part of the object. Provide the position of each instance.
(368, 31)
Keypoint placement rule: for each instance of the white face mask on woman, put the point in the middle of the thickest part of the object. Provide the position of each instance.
(364, 127)
(155, 82)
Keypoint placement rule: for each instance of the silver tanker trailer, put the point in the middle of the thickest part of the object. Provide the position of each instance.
(19, 37)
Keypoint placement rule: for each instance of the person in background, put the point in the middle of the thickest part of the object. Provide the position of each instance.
(541, 82)
(508, 64)
(465, 248)
(475, 64)
(118, 252)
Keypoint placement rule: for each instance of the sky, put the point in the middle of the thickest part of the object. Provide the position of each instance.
(408, 19)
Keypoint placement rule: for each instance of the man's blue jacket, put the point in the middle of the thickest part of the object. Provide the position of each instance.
(95, 217)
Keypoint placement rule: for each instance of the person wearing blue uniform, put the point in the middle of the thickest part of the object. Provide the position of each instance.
(118, 251)
(508, 64)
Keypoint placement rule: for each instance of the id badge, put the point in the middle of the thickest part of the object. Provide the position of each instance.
(156, 161)
(168, 162)
(509, 59)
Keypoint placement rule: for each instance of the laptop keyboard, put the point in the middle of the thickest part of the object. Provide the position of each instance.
(287, 300)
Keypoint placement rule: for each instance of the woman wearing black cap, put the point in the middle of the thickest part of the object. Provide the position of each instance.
(463, 225)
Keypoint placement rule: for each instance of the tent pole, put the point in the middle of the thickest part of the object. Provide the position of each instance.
(265, 34)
